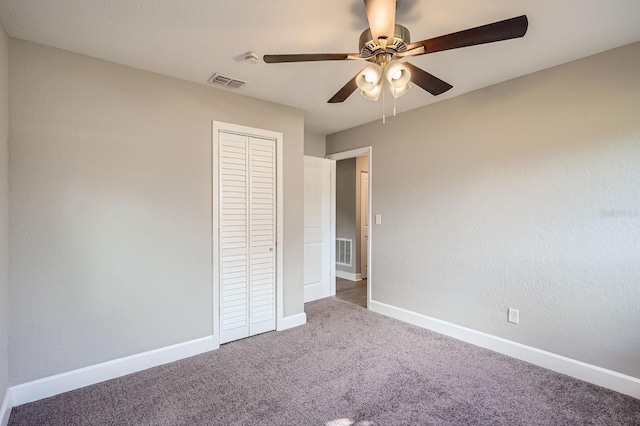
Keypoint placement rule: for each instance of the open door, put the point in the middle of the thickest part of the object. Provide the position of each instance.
(317, 228)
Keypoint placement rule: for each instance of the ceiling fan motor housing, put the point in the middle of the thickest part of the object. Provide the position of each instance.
(369, 47)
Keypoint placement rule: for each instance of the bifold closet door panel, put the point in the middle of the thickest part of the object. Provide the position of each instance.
(262, 231)
(234, 237)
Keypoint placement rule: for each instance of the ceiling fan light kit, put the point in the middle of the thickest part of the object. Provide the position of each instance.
(396, 76)
(384, 43)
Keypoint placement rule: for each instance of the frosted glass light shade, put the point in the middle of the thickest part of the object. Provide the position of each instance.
(397, 75)
(401, 91)
(374, 93)
(369, 78)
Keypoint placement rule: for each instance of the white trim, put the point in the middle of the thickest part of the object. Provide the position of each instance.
(217, 126)
(609, 379)
(358, 152)
(348, 275)
(280, 232)
(332, 236)
(371, 229)
(7, 405)
(64, 382)
(215, 231)
(292, 321)
(368, 151)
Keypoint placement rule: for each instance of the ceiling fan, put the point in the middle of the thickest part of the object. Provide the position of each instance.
(384, 43)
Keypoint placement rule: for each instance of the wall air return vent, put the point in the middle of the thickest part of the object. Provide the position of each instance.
(221, 80)
(343, 251)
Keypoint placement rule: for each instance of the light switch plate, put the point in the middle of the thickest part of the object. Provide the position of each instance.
(378, 219)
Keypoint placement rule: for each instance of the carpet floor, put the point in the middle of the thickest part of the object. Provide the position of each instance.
(346, 366)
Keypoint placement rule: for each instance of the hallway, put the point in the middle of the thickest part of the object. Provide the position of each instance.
(352, 291)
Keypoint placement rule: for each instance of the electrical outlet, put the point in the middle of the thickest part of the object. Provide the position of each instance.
(514, 315)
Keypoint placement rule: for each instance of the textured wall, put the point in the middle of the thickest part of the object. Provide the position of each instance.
(525, 194)
(111, 207)
(315, 145)
(4, 212)
(346, 207)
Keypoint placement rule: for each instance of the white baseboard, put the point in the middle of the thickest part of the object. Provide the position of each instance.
(64, 382)
(609, 379)
(292, 321)
(5, 411)
(349, 275)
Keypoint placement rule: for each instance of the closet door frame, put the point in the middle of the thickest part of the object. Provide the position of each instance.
(217, 127)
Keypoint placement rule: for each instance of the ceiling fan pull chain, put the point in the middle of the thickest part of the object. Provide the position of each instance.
(394, 101)
(383, 117)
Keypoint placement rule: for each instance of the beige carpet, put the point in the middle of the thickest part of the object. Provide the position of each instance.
(347, 366)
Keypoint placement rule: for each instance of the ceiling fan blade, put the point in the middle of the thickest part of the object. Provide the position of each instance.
(345, 92)
(307, 57)
(497, 31)
(382, 19)
(428, 82)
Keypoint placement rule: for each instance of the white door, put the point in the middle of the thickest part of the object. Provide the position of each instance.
(247, 222)
(317, 228)
(364, 222)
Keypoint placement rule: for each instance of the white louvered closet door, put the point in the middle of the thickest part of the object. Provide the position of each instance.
(247, 236)
(262, 232)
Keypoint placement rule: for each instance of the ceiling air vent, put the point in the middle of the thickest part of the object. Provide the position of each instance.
(221, 80)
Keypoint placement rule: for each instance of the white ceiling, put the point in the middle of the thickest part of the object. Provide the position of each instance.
(192, 39)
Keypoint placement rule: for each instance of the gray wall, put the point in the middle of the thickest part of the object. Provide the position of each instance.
(346, 206)
(315, 145)
(4, 213)
(111, 207)
(525, 194)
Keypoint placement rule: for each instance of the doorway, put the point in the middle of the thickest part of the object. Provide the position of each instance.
(352, 231)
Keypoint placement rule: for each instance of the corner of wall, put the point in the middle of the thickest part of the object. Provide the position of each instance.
(315, 145)
(4, 225)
